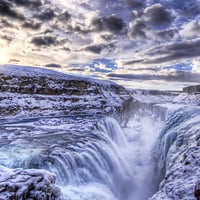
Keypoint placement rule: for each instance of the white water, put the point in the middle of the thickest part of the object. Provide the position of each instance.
(117, 166)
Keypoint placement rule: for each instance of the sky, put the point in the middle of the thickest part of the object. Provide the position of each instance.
(145, 44)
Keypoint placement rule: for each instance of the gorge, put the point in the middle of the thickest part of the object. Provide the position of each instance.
(74, 138)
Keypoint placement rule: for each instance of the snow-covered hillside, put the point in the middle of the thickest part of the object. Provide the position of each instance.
(29, 91)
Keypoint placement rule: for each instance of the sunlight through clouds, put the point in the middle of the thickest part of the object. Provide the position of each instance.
(136, 34)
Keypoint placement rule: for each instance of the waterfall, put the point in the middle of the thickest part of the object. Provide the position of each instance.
(97, 164)
(104, 162)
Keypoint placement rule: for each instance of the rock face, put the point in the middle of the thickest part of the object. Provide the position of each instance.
(177, 156)
(192, 89)
(34, 91)
(28, 185)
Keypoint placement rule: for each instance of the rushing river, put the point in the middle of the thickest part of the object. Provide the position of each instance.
(92, 156)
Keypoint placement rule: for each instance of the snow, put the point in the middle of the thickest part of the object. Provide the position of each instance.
(28, 184)
(28, 71)
(188, 99)
(30, 91)
(148, 96)
(70, 116)
(181, 160)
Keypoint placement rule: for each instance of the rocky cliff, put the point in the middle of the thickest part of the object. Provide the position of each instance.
(27, 91)
(192, 89)
(177, 153)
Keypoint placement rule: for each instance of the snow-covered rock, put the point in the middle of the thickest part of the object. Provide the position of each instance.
(188, 99)
(154, 96)
(189, 96)
(177, 156)
(29, 91)
(28, 185)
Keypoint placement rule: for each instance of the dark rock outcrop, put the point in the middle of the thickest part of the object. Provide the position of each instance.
(192, 89)
(197, 190)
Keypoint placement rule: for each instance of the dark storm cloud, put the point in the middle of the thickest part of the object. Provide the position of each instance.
(107, 37)
(138, 29)
(5, 23)
(166, 34)
(32, 24)
(44, 41)
(65, 16)
(175, 76)
(94, 49)
(175, 51)
(7, 38)
(110, 23)
(132, 62)
(53, 65)
(8, 10)
(33, 3)
(47, 14)
(97, 49)
(135, 4)
(158, 15)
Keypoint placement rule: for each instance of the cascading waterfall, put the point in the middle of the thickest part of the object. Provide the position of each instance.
(96, 164)
(107, 163)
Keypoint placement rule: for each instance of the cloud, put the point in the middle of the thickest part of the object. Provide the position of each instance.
(5, 23)
(196, 65)
(32, 24)
(47, 14)
(98, 48)
(44, 40)
(135, 4)
(138, 29)
(7, 9)
(174, 52)
(158, 15)
(53, 65)
(110, 23)
(94, 48)
(190, 29)
(7, 38)
(193, 9)
(143, 34)
(179, 76)
(65, 16)
(167, 34)
(32, 3)
(187, 8)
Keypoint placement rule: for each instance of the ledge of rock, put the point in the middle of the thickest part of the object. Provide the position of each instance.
(29, 91)
(177, 156)
(28, 184)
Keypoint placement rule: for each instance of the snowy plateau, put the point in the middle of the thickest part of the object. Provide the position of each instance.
(65, 137)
